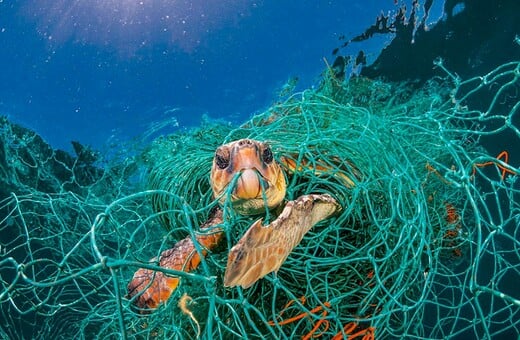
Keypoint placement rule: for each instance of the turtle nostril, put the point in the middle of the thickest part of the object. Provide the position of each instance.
(243, 142)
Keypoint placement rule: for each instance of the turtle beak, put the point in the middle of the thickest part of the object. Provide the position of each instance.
(248, 185)
(250, 174)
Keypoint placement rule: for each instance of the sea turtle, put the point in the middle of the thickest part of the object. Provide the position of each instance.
(246, 174)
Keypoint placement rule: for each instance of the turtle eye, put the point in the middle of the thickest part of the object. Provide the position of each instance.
(267, 155)
(221, 161)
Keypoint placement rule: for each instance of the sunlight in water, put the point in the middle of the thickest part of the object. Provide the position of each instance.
(129, 25)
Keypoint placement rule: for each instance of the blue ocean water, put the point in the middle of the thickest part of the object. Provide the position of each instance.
(101, 70)
(104, 71)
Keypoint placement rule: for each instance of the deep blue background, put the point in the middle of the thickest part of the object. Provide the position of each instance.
(87, 70)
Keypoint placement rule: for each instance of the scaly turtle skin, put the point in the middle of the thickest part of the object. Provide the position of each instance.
(257, 168)
(244, 173)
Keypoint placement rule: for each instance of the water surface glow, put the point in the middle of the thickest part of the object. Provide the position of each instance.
(129, 25)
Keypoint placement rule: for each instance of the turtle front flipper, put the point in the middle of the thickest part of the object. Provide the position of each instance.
(152, 288)
(263, 249)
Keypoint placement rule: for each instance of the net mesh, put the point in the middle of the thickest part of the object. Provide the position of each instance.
(426, 246)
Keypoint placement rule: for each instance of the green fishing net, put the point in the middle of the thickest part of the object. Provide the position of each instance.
(427, 244)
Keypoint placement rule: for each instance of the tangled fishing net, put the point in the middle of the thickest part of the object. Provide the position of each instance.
(427, 244)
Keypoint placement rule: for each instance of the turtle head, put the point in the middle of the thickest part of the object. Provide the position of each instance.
(249, 168)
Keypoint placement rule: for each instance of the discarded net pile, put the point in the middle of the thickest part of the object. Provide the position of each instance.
(426, 246)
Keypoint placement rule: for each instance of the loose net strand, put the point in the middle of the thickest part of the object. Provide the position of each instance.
(427, 245)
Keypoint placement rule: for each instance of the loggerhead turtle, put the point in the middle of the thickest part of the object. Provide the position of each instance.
(245, 173)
